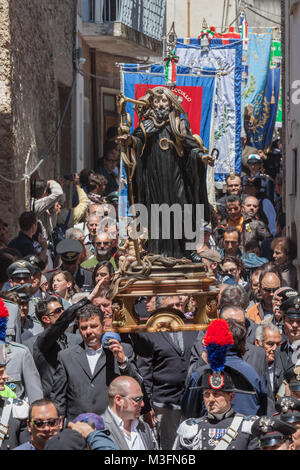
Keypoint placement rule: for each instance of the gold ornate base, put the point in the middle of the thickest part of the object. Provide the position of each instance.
(185, 279)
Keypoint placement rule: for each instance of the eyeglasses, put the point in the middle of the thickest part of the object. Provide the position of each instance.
(102, 243)
(269, 290)
(135, 399)
(52, 423)
(56, 311)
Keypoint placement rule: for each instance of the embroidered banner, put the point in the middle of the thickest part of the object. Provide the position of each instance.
(224, 58)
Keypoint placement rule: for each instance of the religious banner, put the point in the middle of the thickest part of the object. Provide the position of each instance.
(223, 58)
(260, 131)
(197, 94)
(275, 62)
(257, 60)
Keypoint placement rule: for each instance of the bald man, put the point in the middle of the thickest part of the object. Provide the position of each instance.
(253, 227)
(122, 416)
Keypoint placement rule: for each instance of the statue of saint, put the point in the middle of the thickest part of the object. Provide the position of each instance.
(170, 169)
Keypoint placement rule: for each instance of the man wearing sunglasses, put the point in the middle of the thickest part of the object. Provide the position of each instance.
(122, 415)
(43, 422)
(269, 281)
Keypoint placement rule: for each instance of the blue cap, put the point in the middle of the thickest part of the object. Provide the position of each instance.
(110, 335)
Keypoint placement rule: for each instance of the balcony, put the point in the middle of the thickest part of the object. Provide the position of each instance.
(128, 28)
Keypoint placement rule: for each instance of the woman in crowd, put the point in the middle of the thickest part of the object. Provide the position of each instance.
(103, 269)
(234, 266)
(63, 284)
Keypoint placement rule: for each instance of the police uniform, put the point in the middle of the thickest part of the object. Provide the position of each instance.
(30, 325)
(11, 407)
(24, 378)
(69, 251)
(230, 430)
(286, 356)
(205, 433)
(272, 431)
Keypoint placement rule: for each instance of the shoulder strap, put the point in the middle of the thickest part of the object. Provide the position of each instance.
(230, 434)
(5, 418)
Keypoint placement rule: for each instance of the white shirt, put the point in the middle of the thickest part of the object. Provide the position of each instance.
(93, 356)
(271, 374)
(135, 441)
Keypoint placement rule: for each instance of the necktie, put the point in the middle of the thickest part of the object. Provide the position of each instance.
(175, 337)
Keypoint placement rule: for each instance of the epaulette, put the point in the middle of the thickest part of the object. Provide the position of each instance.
(189, 428)
(247, 423)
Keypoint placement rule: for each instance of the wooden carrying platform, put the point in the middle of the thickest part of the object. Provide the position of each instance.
(183, 279)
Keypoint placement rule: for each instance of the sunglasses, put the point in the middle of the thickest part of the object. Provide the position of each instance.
(270, 290)
(52, 423)
(56, 311)
(135, 399)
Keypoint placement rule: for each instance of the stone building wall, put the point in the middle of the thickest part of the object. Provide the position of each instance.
(36, 42)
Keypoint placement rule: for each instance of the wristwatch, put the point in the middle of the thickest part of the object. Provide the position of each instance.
(123, 365)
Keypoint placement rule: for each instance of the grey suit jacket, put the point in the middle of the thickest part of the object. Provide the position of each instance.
(13, 329)
(76, 390)
(24, 378)
(117, 435)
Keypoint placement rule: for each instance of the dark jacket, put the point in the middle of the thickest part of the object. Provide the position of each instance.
(112, 184)
(164, 368)
(23, 243)
(76, 390)
(50, 342)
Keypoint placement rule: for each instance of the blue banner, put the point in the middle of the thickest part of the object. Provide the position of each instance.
(260, 130)
(257, 59)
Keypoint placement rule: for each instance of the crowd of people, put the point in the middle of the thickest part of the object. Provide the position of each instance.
(66, 384)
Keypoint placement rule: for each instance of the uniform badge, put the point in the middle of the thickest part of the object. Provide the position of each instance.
(211, 433)
(216, 380)
(297, 372)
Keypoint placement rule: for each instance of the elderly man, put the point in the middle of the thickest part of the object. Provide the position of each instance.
(93, 222)
(268, 337)
(121, 417)
(211, 259)
(103, 252)
(288, 352)
(85, 371)
(269, 281)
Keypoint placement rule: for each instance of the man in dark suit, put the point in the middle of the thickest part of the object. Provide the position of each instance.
(121, 417)
(85, 371)
(164, 368)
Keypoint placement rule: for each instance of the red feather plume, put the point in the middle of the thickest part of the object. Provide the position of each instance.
(219, 333)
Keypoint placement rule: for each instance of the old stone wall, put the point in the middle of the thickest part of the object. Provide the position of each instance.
(36, 42)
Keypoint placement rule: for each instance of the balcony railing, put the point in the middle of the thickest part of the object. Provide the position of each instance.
(145, 16)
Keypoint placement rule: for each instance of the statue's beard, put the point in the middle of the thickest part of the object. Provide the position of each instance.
(160, 115)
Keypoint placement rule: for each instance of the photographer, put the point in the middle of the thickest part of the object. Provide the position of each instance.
(45, 195)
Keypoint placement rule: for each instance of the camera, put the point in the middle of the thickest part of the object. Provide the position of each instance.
(69, 177)
(106, 343)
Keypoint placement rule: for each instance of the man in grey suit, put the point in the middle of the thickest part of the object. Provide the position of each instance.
(121, 417)
(85, 371)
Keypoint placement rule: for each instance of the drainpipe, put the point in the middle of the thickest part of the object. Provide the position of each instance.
(75, 66)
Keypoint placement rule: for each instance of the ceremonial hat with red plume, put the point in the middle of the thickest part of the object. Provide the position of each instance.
(217, 341)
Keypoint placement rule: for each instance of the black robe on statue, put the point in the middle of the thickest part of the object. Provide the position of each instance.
(162, 177)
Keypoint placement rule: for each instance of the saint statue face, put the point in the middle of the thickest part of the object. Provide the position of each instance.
(161, 107)
(161, 102)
